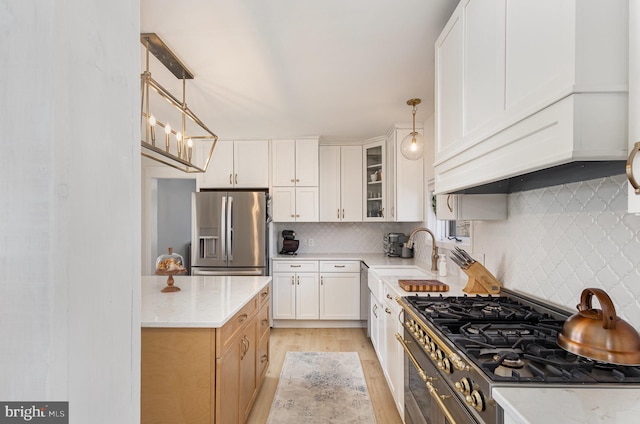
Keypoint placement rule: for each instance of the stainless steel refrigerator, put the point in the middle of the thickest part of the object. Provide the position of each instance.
(229, 233)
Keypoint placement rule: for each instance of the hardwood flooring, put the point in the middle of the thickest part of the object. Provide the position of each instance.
(284, 340)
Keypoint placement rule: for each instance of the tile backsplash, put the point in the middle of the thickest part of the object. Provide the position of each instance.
(340, 237)
(560, 240)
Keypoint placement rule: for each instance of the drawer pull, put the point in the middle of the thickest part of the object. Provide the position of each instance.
(389, 296)
(264, 358)
(295, 266)
(265, 321)
(243, 317)
(265, 294)
(387, 310)
(338, 266)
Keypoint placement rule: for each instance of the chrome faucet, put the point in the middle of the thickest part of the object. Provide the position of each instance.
(434, 251)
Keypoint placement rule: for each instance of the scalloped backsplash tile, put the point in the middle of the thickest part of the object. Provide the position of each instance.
(560, 240)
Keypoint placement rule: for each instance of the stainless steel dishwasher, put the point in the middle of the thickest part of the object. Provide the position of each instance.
(364, 295)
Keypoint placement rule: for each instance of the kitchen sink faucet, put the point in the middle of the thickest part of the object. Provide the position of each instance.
(434, 251)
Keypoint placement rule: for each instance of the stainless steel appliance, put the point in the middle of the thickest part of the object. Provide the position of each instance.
(393, 243)
(459, 348)
(229, 235)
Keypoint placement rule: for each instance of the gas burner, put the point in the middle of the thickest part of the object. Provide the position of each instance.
(492, 309)
(509, 359)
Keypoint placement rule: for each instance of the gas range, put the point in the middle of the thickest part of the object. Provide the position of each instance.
(476, 343)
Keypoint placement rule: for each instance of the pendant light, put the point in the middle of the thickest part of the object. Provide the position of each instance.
(412, 146)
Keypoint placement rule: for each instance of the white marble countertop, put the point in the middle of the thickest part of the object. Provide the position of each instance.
(569, 405)
(371, 259)
(390, 276)
(203, 301)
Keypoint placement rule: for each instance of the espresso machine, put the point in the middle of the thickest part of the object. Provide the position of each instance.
(393, 243)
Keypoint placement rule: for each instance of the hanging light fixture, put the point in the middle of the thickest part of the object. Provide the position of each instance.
(412, 146)
(178, 150)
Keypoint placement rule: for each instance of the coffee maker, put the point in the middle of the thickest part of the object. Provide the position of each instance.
(289, 243)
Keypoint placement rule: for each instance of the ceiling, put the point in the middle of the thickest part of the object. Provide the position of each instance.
(339, 69)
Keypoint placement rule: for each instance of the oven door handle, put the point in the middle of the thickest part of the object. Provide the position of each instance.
(413, 359)
(432, 390)
(434, 394)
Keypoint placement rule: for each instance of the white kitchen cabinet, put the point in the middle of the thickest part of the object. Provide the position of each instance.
(394, 369)
(294, 180)
(528, 87)
(377, 317)
(294, 204)
(466, 207)
(294, 162)
(375, 179)
(340, 183)
(237, 164)
(405, 180)
(296, 290)
(340, 290)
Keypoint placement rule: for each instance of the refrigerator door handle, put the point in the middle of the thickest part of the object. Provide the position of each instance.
(230, 229)
(223, 225)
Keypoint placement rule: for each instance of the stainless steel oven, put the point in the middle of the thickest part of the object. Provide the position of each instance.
(457, 349)
(427, 398)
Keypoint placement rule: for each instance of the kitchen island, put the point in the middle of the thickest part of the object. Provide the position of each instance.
(205, 348)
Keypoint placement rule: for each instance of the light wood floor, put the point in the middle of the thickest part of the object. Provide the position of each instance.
(284, 340)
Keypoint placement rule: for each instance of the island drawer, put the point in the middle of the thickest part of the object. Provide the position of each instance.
(264, 295)
(225, 334)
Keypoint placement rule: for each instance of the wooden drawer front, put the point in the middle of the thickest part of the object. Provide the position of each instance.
(295, 266)
(339, 266)
(264, 295)
(226, 333)
(263, 320)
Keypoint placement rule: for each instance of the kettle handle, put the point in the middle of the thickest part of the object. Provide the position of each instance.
(609, 317)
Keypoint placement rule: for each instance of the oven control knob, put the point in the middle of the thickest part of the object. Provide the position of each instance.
(445, 365)
(464, 386)
(476, 400)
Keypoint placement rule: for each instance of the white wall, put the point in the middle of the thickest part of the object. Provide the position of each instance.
(70, 226)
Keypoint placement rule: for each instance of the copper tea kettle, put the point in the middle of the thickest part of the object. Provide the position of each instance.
(599, 334)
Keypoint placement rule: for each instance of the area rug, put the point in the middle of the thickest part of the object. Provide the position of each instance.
(321, 387)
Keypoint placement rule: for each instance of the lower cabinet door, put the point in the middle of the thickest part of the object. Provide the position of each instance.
(340, 296)
(248, 352)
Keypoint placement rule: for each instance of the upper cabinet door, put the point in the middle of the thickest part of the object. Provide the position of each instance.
(329, 183)
(251, 164)
(220, 170)
(283, 169)
(540, 51)
(351, 183)
(448, 88)
(306, 162)
(483, 65)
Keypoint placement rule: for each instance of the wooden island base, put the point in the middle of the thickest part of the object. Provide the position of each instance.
(206, 375)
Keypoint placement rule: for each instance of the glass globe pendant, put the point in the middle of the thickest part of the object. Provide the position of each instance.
(412, 146)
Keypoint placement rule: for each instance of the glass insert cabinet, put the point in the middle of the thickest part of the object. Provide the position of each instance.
(374, 181)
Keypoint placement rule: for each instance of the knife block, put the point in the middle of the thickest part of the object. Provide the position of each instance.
(481, 281)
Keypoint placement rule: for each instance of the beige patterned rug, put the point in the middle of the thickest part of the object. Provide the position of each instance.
(321, 387)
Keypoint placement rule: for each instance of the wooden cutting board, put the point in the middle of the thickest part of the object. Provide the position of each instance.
(423, 285)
